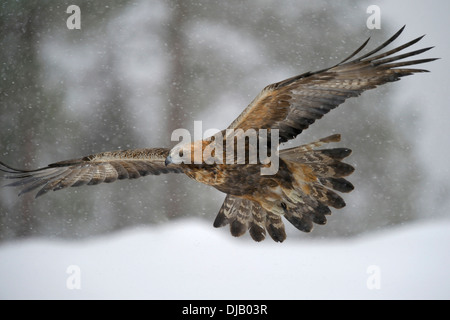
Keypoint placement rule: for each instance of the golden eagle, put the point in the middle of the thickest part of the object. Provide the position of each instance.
(305, 184)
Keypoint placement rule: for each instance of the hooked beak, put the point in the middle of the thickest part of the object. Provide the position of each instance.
(168, 160)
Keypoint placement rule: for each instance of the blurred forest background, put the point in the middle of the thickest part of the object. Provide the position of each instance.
(137, 70)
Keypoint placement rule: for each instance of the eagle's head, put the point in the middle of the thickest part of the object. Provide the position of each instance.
(189, 153)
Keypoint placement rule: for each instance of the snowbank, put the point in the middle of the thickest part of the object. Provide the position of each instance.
(189, 259)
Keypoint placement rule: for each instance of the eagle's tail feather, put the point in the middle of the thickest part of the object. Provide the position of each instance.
(338, 184)
(318, 175)
(242, 215)
(275, 227)
(257, 228)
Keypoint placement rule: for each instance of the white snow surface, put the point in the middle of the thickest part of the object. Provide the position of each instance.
(189, 259)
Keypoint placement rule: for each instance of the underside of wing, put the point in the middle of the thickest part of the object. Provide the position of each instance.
(292, 105)
(91, 170)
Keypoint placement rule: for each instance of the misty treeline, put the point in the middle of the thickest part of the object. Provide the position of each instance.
(137, 70)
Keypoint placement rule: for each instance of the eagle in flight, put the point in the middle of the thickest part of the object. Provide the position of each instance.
(308, 177)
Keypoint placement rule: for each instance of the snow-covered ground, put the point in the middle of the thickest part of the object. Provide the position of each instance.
(189, 259)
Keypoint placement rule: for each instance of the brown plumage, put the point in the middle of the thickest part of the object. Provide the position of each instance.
(305, 184)
(91, 170)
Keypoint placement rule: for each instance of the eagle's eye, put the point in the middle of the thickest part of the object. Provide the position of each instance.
(180, 153)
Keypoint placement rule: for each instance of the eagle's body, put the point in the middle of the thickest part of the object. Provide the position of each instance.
(306, 180)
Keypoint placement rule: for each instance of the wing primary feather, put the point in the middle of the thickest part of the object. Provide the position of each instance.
(68, 180)
(354, 53)
(34, 185)
(12, 170)
(384, 44)
(50, 185)
(23, 180)
(401, 56)
(392, 51)
(409, 63)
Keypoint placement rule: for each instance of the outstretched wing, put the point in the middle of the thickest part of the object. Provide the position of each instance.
(295, 103)
(94, 169)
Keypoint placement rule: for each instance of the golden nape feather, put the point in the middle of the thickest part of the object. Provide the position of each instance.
(308, 178)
